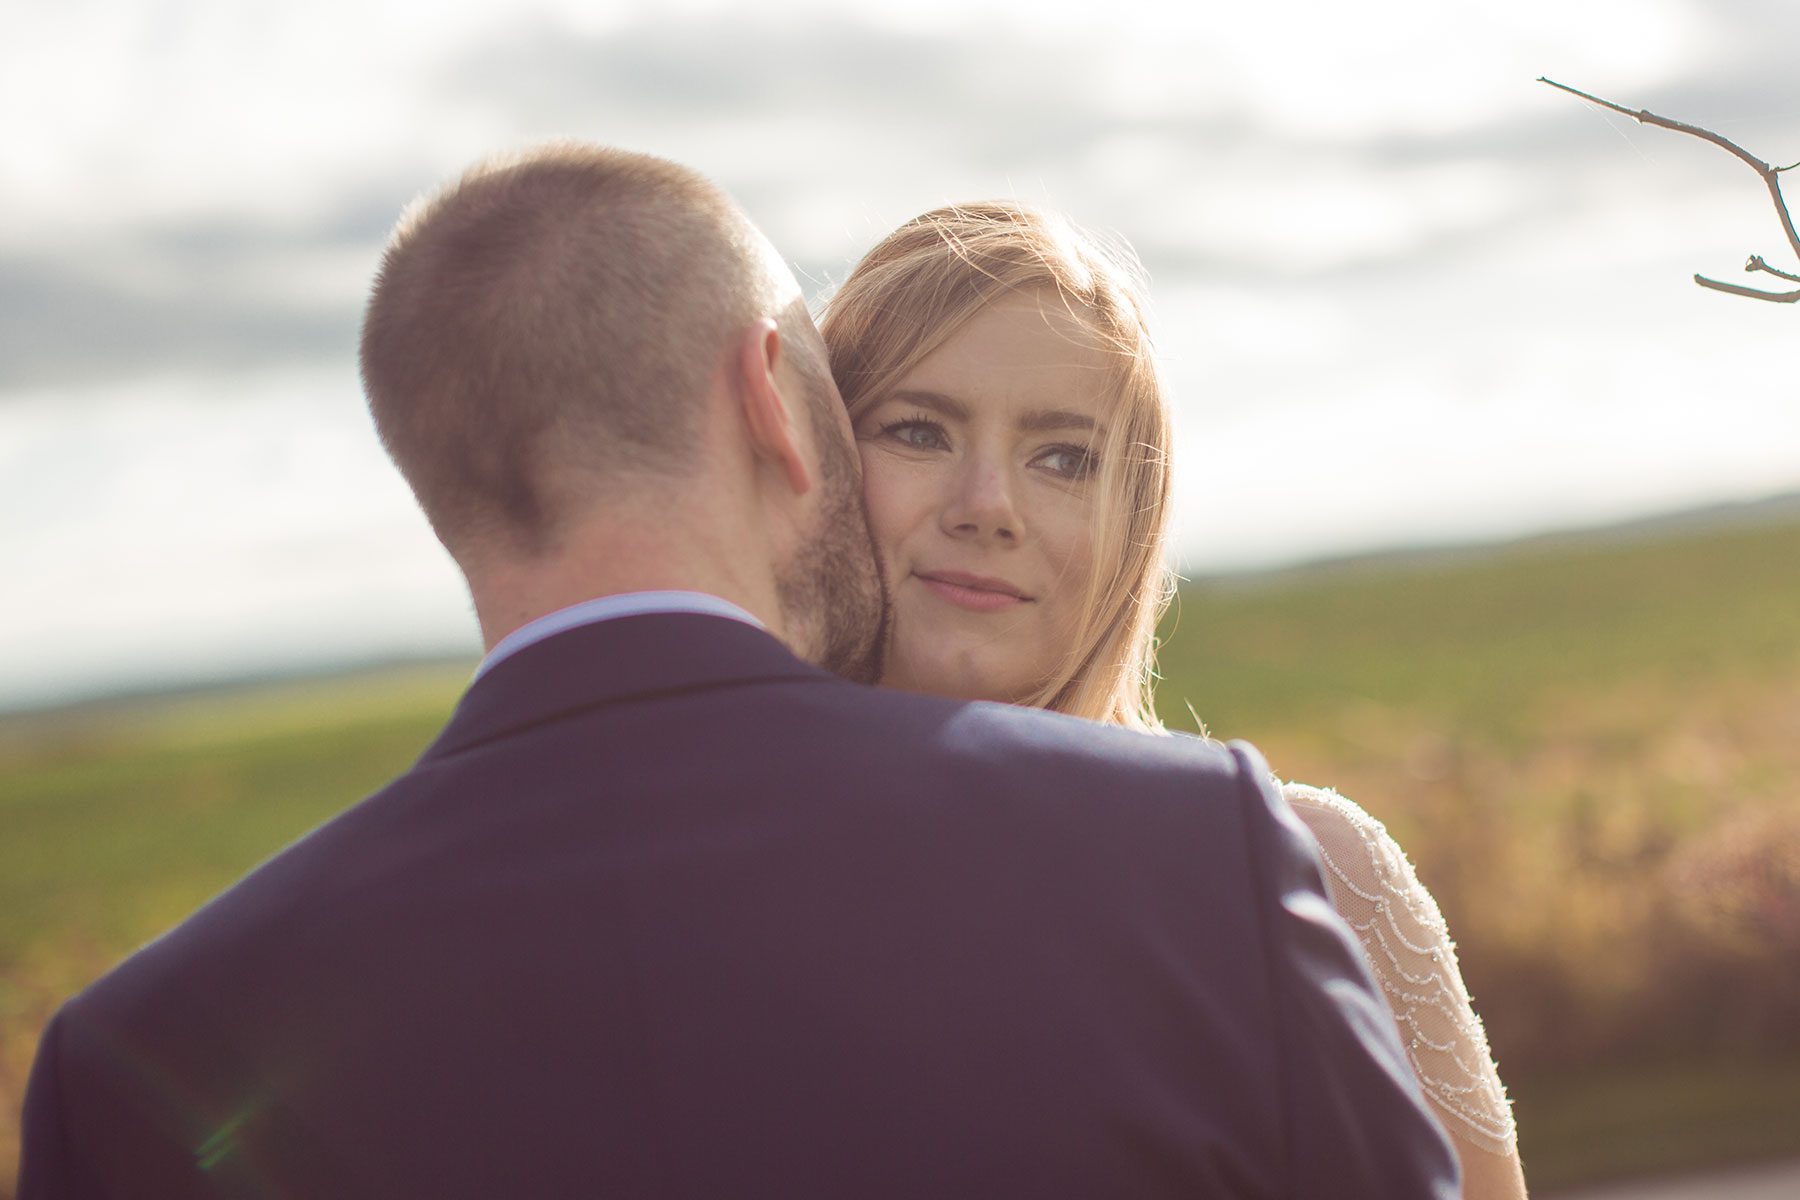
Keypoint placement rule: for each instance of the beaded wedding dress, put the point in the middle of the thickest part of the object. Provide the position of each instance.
(1408, 945)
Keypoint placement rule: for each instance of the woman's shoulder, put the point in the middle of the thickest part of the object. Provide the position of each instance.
(1326, 809)
(1370, 878)
(1356, 847)
(1375, 889)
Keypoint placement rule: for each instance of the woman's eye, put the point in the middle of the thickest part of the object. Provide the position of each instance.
(1070, 462)
(916, 434)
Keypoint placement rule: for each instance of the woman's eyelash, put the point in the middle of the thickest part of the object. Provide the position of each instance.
(1085, 459)
(904, 423)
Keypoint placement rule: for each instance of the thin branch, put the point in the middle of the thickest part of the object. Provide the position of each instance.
(1756, 263)
(1753, 293)
(1771, 176)
(1650, 118)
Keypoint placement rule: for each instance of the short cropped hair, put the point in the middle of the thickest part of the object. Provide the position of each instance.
(933, 275)
(550, 323)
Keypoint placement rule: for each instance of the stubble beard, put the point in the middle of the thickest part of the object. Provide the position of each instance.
(834, 585)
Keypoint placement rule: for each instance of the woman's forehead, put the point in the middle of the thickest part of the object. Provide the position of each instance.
(1026, 348)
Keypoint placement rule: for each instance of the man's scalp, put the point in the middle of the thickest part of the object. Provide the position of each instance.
(550, 320)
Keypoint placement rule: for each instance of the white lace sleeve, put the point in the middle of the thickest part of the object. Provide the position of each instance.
(1408, 946)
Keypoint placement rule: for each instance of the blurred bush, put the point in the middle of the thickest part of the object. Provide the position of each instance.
(1591, 751)
(1733, 955)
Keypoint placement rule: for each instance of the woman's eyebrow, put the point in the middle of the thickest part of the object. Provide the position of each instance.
(1037, 421)
(936, 401)
(1045, 420)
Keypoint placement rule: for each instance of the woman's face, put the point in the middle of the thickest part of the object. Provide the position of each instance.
(978, 468)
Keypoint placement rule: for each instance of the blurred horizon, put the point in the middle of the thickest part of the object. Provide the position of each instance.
(1406, 295)
(254, 672)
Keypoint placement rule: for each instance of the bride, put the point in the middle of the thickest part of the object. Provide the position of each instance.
(1015, 436)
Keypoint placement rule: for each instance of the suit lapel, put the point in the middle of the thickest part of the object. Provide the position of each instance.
(612, 661)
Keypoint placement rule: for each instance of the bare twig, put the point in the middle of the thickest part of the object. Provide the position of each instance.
(1756, 263)
(1771, 177)
(1753, 293)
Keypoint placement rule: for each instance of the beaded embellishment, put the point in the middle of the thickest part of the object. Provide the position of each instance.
(1407, 943)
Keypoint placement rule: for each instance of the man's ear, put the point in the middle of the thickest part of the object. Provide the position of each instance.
(768, 414)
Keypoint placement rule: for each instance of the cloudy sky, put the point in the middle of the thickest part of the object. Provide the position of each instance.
(1406, 294)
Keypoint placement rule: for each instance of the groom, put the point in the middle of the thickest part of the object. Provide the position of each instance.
(668, 911)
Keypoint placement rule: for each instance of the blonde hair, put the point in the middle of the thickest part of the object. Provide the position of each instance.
(924, 282)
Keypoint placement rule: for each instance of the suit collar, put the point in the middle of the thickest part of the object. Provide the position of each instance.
(610, 608)
(612, 661)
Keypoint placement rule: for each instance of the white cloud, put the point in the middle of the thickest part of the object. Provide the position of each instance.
(1405, 292)
(166, 529)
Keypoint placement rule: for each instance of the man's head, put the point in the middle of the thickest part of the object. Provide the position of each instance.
(581, 358)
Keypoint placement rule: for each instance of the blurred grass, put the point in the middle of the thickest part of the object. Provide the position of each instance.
(1590, 749)
(1481, 640)
(120, 824)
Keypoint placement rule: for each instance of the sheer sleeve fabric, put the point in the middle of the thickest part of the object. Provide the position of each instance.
(1408, 945)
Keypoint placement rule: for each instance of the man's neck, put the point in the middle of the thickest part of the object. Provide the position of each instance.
(510, 595)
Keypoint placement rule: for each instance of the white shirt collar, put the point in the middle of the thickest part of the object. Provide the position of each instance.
(607, 608)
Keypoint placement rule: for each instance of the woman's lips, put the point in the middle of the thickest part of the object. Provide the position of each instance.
(972, 591)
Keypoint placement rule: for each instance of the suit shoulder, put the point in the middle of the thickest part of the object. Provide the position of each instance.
(1014, 730)
(985, 753)
(187, 962)
(1119, 769)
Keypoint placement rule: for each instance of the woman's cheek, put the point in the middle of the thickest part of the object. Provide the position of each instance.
(885, 495)
(1070, 551)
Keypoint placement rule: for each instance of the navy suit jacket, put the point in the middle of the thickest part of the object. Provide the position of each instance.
(666, 912)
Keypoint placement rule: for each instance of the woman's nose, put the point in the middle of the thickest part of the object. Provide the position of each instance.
(982, 505)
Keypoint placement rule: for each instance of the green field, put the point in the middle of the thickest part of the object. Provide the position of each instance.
(1591, 749)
